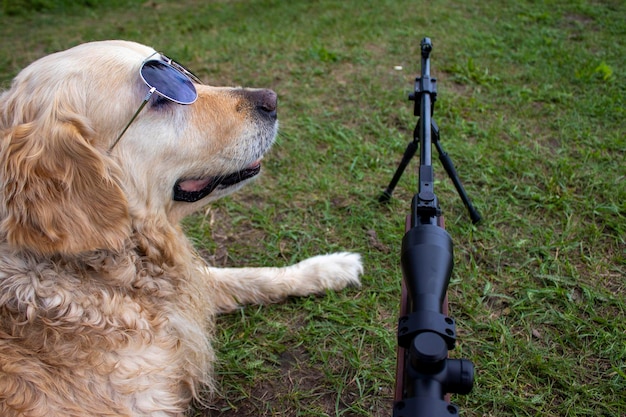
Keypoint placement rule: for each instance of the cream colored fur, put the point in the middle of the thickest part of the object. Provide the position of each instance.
(105, 307)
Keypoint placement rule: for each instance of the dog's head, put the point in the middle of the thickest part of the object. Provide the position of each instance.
(64, 187)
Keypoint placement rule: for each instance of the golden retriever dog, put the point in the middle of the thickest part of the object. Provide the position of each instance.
(105, 307)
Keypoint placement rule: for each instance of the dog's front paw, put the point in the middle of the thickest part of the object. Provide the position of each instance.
(334, 271)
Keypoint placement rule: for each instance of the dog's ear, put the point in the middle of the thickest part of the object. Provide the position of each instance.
(58, 192)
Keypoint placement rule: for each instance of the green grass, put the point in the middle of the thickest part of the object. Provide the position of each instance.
(531, 109)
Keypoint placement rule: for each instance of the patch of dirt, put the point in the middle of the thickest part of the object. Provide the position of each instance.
(374, 242)
(298, 387)
(271, 397)
(223, 235)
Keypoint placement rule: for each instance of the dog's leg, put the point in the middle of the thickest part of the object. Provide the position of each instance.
(238, 286)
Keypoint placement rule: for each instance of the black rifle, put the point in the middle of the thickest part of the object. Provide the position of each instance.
(425, 375)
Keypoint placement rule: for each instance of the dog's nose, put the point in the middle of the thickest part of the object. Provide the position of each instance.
(265, 101)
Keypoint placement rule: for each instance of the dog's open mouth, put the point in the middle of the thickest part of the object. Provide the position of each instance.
(191, 190)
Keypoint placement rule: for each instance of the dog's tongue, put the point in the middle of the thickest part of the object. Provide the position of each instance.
(201, 184)
(194, 185)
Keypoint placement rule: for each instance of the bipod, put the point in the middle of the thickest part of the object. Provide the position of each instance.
(445, 159)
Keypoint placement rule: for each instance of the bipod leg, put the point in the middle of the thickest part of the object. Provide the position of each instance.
(410, 151)
(446, 161)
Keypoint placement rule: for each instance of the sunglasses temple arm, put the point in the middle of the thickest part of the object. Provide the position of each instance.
(143, 104)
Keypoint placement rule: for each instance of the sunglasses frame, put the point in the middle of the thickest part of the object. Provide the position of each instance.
(170, 64)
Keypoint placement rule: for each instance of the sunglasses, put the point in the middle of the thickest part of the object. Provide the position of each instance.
(169, 80)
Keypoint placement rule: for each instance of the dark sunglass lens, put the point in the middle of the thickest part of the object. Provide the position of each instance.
(169, 82)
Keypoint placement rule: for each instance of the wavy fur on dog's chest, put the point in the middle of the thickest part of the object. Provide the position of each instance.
(128, 334)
